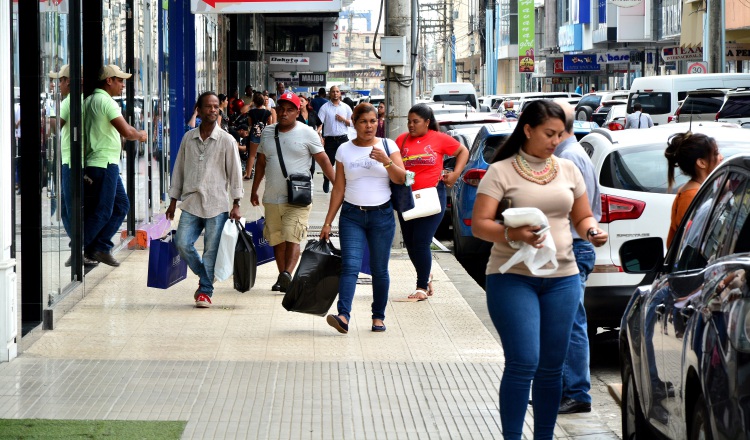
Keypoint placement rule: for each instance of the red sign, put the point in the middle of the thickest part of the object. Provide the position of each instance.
(559, 67)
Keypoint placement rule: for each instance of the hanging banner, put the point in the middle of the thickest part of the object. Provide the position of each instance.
(526, 36)
(256, 6)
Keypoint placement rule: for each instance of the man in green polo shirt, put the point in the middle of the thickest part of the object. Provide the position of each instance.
(105, 201)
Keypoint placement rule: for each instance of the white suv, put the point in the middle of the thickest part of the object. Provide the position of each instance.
(736, 108)
(632, 173)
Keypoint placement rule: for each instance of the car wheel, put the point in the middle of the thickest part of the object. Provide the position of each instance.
(699, 429)
(633, 422)
(583, 113)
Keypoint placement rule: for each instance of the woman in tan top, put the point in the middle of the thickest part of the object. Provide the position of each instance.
(533, 314)
(697, 155)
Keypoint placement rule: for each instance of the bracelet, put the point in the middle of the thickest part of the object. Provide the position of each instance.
(327, 224)
(511, 243)
(389, 164)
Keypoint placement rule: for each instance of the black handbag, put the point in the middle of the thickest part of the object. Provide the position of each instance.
(245, 261)
(298, 186)
(401, 197)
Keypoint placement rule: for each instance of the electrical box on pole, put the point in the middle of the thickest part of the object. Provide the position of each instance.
(393, 51)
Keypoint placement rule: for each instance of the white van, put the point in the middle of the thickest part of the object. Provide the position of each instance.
(659, 94)
(455, 92)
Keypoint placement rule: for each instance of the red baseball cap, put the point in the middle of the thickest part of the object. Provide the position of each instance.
(291, 97)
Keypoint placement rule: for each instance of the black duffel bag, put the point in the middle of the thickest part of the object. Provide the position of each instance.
(316, 281)
(245, 261)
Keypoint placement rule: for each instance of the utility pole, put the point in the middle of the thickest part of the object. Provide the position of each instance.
(715, 28)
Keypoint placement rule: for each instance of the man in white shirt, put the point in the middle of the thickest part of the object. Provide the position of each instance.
(336, 117)
(286, 224)
(638, 119)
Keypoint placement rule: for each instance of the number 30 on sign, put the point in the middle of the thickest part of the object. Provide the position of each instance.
(698, 67)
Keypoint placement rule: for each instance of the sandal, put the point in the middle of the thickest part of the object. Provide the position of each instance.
(419, 295)
(430, 290)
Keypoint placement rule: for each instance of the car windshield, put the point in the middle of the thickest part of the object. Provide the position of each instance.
(457, 97)
(654, 103)
(703, 103)
(644, 168)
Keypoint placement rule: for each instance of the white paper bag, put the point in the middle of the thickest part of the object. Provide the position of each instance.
(224, 267)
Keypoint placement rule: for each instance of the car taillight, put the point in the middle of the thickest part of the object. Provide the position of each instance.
(676, 116)
(620, 208)
(614, 126)
(473, 176)
(716, 118)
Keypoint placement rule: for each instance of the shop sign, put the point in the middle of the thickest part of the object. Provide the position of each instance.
(296, 61)
(682, 53)
(335, 41)
(526, 36)
(613, 57)
(570, 37)
(737, 52)
(558, 66)
(312, 79)
(255, 6)
(582, 62)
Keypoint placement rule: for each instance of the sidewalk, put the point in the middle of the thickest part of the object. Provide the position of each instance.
(247, 368)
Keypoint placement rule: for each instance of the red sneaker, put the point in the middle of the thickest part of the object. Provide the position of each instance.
(203, 301)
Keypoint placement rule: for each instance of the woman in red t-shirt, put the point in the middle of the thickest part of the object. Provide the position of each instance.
(422, 149)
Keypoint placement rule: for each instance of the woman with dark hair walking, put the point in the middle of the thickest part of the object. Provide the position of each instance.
(532, 313)
(364, 170)
(422, 149)
(696, 155)
(258, 117)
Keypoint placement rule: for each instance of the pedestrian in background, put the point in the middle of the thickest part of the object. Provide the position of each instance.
(206, 174)
(696, 155)
(422, 149)
(638, 119)
(381, 120)
(248, 98)
(576, 374)
(579, 89)
(308, 116)
(362, 190)
(533, 314)
(286, 224)
(223, 117)
(336, 117)
(271, 108)
(258, 118)
(105, 200)
(319, 100)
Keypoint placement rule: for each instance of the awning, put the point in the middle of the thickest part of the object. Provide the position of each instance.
(691, 34)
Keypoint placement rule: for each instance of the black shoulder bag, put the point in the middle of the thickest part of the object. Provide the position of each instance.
(401, 197)
(298, 186)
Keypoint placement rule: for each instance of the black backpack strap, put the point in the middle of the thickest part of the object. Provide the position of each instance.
(278, 150)
(385, 145)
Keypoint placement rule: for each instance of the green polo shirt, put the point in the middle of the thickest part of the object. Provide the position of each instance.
(102, 140)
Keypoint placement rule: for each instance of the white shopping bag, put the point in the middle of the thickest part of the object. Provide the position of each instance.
(224, 267)
(534, 258)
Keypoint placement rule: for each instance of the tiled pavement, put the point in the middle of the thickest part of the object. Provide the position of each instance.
(246, 368)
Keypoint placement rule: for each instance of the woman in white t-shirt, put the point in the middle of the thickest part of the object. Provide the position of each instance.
(362, 190)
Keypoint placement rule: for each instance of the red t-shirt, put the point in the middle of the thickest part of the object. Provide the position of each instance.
(424, 156)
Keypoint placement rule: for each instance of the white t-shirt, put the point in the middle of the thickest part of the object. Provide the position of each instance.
(327, 115)
(298, 146)
(367, 181)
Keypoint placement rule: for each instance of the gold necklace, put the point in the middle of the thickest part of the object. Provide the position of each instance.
(541, 177)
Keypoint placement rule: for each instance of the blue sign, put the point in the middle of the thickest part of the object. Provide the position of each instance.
(584, 14)
(602, 11)
(570, 37)
(582, 62)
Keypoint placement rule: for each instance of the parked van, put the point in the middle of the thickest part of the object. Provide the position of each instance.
(659, 94)
(455, 92)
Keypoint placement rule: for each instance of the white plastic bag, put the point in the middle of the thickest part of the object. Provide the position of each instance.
(224, 267)
(534, 258)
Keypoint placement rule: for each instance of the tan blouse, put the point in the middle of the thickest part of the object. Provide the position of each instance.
(554, 199)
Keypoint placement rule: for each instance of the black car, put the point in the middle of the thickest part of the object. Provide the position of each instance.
(685, 339)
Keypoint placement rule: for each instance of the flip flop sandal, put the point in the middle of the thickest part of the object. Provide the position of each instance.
(430, 290)
(413, 297)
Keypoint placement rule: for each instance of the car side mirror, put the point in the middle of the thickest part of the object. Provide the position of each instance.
(642, 255)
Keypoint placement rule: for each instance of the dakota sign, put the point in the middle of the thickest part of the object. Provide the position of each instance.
(297, 61)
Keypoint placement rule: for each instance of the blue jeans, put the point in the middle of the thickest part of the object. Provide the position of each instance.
(576, 375)
(418, 235)
(188, 231)
(357, 228)
(533, 316)
(106, 206)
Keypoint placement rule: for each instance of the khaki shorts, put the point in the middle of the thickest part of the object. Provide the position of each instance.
(286, 222)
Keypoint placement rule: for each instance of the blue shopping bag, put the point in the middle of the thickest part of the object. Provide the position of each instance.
(262, 248)
(165, 267)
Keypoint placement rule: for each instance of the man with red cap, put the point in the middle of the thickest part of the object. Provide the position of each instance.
(286, 225)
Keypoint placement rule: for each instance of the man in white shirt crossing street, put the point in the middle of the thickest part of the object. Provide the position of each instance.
(638, 119)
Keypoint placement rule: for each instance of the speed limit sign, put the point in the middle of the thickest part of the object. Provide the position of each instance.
(698, 67)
